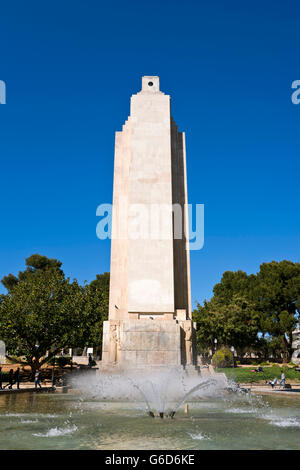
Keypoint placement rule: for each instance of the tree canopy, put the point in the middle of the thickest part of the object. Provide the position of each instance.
(44, 311)
(252, 311)
(34, 264)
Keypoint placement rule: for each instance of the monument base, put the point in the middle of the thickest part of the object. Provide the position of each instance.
(149, 344)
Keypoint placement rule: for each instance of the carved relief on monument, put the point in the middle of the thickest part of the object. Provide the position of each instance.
(114, 343)
(188, 344)
(296, 346)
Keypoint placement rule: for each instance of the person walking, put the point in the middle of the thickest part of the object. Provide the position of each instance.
(37, 380)
(90, 360)
(282, 381)
(10, 379)
(17, 378)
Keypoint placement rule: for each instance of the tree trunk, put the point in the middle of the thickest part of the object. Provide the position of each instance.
(287, 350)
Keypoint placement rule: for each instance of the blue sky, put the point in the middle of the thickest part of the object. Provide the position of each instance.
(70, 68)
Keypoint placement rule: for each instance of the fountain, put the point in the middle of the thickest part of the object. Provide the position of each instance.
(162, 393)
(112, 412)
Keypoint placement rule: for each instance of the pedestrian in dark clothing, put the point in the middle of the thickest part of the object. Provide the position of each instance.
(10, 379)
(17, 377)
(90, 360)
(0, 378)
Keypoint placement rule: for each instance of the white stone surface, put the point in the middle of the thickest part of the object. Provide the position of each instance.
(149, 304)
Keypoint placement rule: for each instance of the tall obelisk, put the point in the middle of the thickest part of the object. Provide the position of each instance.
(150, 302)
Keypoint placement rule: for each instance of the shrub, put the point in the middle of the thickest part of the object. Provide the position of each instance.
(222, 358)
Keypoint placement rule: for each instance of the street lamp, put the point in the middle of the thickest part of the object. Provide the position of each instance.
(216, 342)
(232, 350)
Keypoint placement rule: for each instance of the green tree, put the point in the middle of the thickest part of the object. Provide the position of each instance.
(95, 310)
(244, 305)
(277, 296)
(234, 323)
(234, 283)
(43, 312)
(34, 264)
(40, 314)
(222, 317)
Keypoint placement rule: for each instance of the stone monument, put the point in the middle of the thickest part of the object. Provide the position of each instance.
(149, 322)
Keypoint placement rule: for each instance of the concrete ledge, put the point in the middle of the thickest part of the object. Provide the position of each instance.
(28, 389)
(267, 390)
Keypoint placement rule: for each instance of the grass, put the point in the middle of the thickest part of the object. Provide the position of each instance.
(244, 374)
